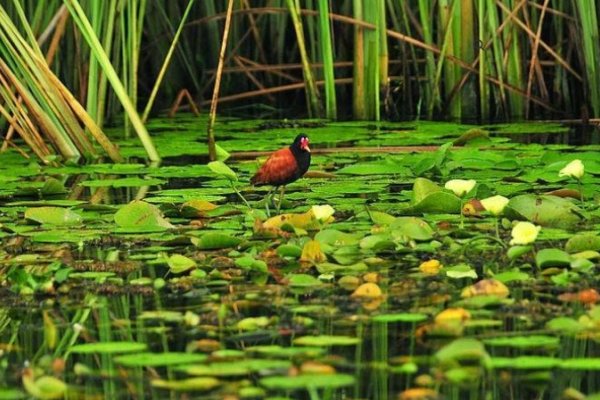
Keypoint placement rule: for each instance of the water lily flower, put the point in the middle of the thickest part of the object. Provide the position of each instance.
(524, 233)
(322, 213)
(494, 204)
(460, 187)
(574, 169)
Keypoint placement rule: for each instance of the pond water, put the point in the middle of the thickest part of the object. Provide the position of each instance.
(144, 281)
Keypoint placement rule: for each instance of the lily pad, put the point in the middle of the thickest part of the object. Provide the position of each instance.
(159, 359)
(53, 216)
(326, 340)
(108, 347)
(550, 211)
(307, 382)
(552, 258)
(141, 216)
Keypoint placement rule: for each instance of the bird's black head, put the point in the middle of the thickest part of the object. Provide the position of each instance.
(300, 144)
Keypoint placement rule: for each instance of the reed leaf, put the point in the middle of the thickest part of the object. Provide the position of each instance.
(588, 19)
(88, 33)
(328, 61)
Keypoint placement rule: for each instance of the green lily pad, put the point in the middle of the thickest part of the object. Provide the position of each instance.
(159, 359)
(108, 347)
(400, 317)
(550, 211)
(186, 385)
(583, 242)
(524, 342)
(525, 362)
(552, 258)
(53, 216)
(303, 280)
(412, 228)
(332, 381)
(215, 241)
(237, 368)
(582, 364)
(221, 169)
(179, 263)
(141, 216)
(285, 352)
(326, 340)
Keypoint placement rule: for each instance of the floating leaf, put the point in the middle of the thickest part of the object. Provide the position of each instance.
(309, 381)
(326, 340)
(303, 280)
(460, 271)
(525, 362)
(367, 291)
(544, 210)
(462, 350)
(400, 317)
(159, 359)
(139, 215)
(215, 241)
(179, 263)
(552, 258)
(189, 384)
(524, 342)
(53, 216)
(220, 168)
(108, 347)
(237, 368)
(583, 242)
(311, 252)
(487, 287)
(411, 227)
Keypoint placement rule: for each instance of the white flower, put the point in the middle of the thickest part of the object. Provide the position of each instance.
(495, 204)
(524, 233)
(574, 169)
(460, 187)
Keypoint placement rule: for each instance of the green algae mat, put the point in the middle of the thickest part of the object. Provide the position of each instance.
(416, 260)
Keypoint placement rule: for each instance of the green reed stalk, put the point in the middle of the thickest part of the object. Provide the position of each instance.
(88, 33)
(383, 47)
(466, 40)
(328, 68)
(483, 72)
(372, 68)
(497, 52)
(167, 61)
(447, 13)
(514, 67)
(432, 96)
(312, 96)
(588, 20)
(359, 107)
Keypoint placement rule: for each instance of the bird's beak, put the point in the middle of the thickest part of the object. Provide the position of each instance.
(307, 148)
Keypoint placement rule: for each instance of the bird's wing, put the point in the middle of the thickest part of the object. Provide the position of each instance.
(278, 168)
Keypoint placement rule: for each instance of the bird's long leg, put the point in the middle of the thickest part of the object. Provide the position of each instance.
(268, 199)
(281, 192)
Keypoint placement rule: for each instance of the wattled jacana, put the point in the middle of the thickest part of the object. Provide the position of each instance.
(284, 166)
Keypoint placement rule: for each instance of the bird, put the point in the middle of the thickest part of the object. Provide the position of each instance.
(284, 166)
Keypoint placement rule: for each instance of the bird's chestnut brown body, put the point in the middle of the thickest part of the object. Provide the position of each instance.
(285, 165)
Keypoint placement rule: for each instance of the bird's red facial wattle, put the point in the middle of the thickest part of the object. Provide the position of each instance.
(304, 144)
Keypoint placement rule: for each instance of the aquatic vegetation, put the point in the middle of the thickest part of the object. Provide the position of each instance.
(364, 283)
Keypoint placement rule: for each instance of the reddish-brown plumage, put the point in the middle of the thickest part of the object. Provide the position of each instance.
(285, 165)
(278, 168)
